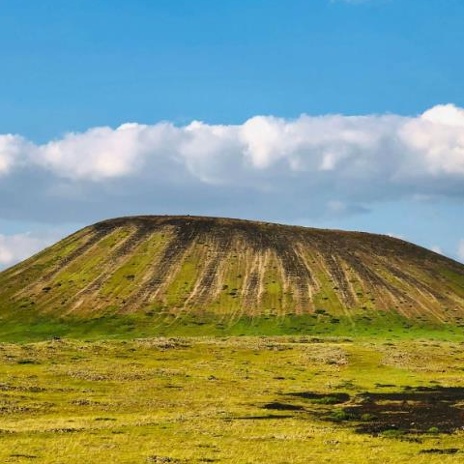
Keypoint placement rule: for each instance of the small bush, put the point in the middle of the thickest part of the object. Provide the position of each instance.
(340, 415)
(392, 433)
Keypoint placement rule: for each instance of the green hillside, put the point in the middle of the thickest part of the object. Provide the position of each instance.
(198, 275)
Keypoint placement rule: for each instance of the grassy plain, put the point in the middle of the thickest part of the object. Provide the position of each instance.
(244, 400)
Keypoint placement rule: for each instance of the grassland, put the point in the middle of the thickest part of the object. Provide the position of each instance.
(27, 326)
(241, 400)
(194, 340)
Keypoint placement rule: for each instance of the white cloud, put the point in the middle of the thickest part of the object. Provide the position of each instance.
(437, 249)
(14, 248)
(461, 250)
(436, 141)
(400, 236)
(347, 146)
(12, 148)
(102, 152)
(303, 165)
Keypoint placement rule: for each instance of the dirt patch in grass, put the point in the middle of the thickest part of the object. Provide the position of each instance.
(421, 410)
(418, 411)
(323, 398)
(162, 459)
(439, 451)
(283, 406)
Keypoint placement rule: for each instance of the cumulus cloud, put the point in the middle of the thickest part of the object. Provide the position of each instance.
(308, 165)
(436, 141)
(12, 149)
(14, 248)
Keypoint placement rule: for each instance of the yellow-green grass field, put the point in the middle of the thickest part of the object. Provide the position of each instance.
(233, 400)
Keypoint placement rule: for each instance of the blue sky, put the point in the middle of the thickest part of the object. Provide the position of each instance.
(392, 161)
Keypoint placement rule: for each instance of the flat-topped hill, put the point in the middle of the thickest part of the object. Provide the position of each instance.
(176, 266)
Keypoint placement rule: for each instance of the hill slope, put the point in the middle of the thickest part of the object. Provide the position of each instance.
(174, 266)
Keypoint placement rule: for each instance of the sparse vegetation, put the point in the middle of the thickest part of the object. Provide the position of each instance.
(192, 340)
(232, 400)
(221, 274)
